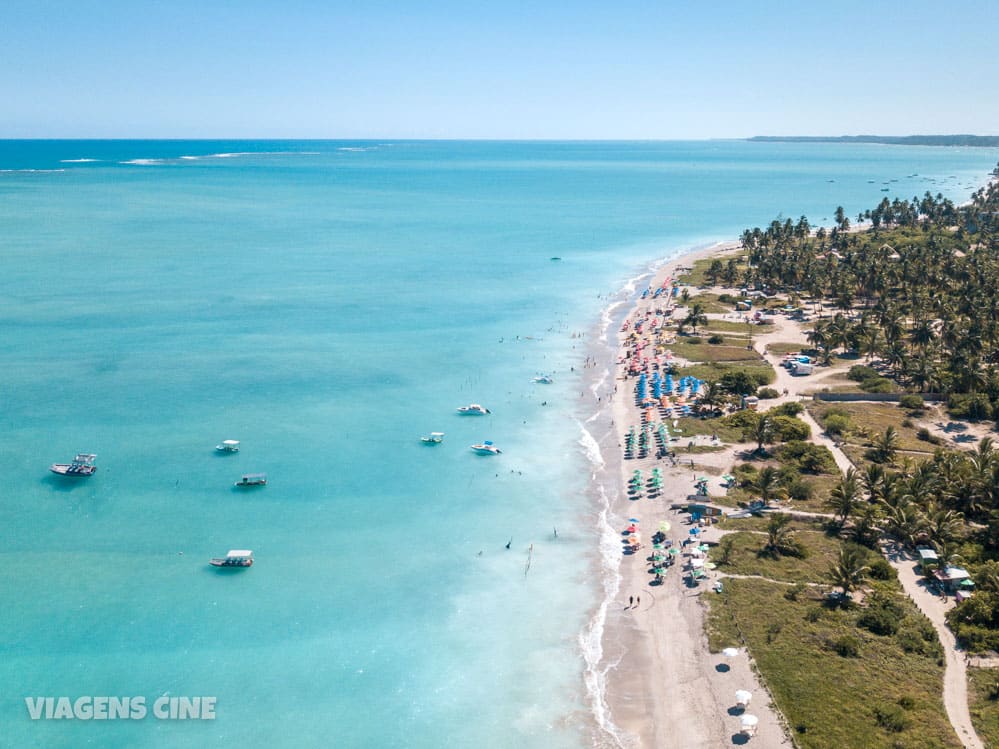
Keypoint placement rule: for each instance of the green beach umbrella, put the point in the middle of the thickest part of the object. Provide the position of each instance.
(710, 565)
(674, 551)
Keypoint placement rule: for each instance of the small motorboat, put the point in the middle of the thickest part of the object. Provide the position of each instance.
(487, 448)
(82, 465)
(235, 558)
(252, 479)
(544, 379)
(435, 438)
(228, 446)
(474, 409)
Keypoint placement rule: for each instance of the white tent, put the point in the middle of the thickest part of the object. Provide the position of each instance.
(743, 696)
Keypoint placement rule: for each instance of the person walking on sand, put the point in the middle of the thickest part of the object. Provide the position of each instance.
(638, 602)
(631, 601)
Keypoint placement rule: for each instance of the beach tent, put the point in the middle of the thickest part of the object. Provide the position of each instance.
(730, 652)
(743, 696)
(748, 724)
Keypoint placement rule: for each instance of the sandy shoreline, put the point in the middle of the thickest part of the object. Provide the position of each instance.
(661, 686)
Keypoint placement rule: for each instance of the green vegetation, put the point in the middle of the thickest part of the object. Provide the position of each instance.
(983, 703)
(838, 684)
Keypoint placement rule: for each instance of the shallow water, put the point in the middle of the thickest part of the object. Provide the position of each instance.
(327, 307)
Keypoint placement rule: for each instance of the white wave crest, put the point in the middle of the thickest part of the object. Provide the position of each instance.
(590, 448)
(144, 162)
(591, 638)
(30, 171)
(606, 319)
(77, 161)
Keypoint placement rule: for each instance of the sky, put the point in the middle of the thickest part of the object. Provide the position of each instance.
(573, 69)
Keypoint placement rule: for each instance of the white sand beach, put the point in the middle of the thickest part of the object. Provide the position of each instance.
(667, 689)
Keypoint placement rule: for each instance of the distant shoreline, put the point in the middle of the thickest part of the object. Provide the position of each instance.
(976, 141)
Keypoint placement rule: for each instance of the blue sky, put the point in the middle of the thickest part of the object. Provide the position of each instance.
(657, 70)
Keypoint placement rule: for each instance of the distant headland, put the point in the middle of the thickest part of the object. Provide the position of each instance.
(981, 141)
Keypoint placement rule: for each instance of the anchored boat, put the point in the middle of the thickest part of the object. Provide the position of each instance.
(487, 448)
(252, 479)
(435, 438)
(228, 446)
(474, 409)
(82, 465)
(235, 558)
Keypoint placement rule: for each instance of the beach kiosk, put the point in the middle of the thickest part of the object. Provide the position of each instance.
(928, 558)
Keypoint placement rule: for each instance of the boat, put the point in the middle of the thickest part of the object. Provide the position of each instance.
(474, 409)
(82, 465)
(228, 446)
(252, 479)
(544, 379)
(487, 448)
(235, 558)
(435, 438)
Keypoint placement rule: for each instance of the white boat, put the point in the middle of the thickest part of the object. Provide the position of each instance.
(544, 379)
(82, 465)
(228, 446)
(435, 438)
(235, 558)
(487, 448)
(474, 409)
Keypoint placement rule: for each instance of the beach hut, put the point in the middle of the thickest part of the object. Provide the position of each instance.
(748, 724)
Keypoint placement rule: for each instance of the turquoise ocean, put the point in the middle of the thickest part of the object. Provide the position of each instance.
(327, 303)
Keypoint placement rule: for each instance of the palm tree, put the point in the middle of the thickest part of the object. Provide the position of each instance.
(780, 537)
(768, 484)
(695, 316)
(762, 431)
(849, 570)
(844, 496)
(886, 445)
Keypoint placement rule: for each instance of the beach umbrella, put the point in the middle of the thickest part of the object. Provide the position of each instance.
(743, 696)
(633, 520)
(659, 570)
(694, 531)
(702, 547)
(674, 551)
(749, 721)
(657, 546)
(968, 583)
(664, 526)
(730, 652)
(710, 565)
(696, 563)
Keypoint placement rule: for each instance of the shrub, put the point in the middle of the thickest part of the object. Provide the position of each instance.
(847, 646)
(767, 393)
(925, 435)
(880, 569)
(693, 340)
(835, 424)
(745, 470)
(909, 640)
(911, 402)
(799, 490)
(878, 620)
(727, 299)
(972, 406)
(906, 702)
(716, 339)
(789, 428)
(808, 457)
(794, 591)
(813, 614)
(908, 423)
(892, 718)
(859, 373)
(877, 385)
(791, 408)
